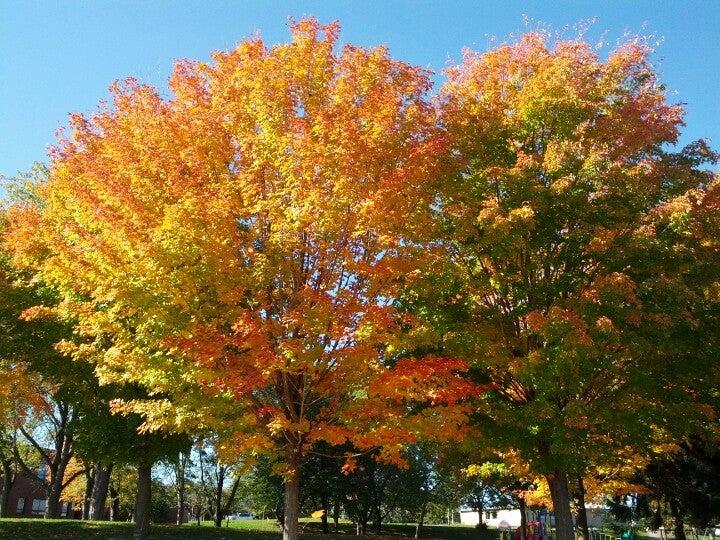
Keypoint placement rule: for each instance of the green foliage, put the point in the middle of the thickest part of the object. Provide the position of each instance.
(684, 485)
(23, 188)
(262, 491)
(30, 341)
(162, 501)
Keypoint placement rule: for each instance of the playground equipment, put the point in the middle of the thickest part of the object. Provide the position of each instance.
(534, 530)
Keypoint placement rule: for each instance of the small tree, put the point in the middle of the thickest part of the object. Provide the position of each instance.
(219, 481)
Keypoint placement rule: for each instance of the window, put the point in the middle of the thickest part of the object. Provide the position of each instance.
(38, 507)
(487, 515)
(494, 515)
(21, 505)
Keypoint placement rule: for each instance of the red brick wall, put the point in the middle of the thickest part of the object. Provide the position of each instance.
(29, 490)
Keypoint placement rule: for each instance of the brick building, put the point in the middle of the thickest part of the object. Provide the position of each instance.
(28, 499)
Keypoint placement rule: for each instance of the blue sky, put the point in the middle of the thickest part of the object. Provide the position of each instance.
(58, 57)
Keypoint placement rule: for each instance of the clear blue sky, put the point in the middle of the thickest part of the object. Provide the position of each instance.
(58, 57)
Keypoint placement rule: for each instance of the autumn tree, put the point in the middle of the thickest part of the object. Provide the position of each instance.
(20, 391)
(36, 399)
(236, 248)
(569, 275)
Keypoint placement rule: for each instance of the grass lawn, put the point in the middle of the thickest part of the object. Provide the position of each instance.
(63, 529)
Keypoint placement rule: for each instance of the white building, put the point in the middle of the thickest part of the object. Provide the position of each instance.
(509, 518)
(498, 518)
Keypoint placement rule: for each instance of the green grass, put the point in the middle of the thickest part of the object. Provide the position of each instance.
(45, 529)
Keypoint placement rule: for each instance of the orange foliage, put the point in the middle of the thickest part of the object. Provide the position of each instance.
(240, 244)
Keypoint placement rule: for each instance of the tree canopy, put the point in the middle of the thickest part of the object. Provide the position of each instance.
(300, 249)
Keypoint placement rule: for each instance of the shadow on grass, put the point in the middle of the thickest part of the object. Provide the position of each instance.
(43, 529)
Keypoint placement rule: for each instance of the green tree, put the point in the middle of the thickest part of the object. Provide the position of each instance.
(687, 483)
(568, 271)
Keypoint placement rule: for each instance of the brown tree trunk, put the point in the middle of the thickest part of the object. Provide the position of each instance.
(336, 513)
(114, 504)
(479, 510)
(54, 491)
(8, 479)
(421, 519)
(560, 494)
(523, 519)
(324, 519)
(292, 500)
(218, 515)
(87, 496)
(182, 465)
(230, 499)
(142, 502)
(55, 461)
(55, 488)
(180, 518)
(678, 514)
(377, 522)
(100, 491)
(580, 511)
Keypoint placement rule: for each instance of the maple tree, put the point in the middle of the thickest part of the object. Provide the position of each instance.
(570, 276)
(30, 389)
(236, 249)
(52, 405)
(296, 251)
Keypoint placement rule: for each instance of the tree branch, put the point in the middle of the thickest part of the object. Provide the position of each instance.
(73, 476)
(45, 456)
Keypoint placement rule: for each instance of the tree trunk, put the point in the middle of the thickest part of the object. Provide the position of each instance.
(57, 467)
(377, 522)
(53, 508)
(324, 518)
(8, 480)
(292, 500)
(523, 519)
(560, 494)
(57, 474)
(180, 518)
(336, 513)
(580, 511)
(100, 491)
(421, 519)
(142, 502)
(231, 498)
(114, 504)
(87, 496)
(218, 516)
(678, 514)
(378, 496)
(479, 510)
